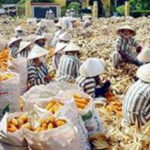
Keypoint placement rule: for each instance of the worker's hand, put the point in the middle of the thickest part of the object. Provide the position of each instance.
(138, 49)
(47, 78)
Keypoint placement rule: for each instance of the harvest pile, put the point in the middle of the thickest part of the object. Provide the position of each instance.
(81, 102)
(53, 106)
(16, 123)
(22, 121)
(4, 59)
(50, 123)
(96, 41)
(99, 41)
(6, 76)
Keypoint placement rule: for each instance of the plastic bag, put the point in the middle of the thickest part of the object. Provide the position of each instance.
(14, 140)
(20, 66)
(90, 116)
(9, 93)
(42, 93)
(60, 138)
(69, 111)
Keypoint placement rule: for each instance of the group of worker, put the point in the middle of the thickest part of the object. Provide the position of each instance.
(68, 66)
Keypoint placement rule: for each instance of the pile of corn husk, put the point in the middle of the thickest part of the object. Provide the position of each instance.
(98, 41)
(118, 135)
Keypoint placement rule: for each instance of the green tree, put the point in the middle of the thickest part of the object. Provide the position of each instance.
(75, 5)
(140, 4)
(43, 1)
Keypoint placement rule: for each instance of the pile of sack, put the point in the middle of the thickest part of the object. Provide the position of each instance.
(52, 119)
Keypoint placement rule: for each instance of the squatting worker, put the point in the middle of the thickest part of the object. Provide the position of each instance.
(136, 104)
(19, 32)
(87, 21)
(37, 69)
(144, 56)
(57, 54)
(69, 64)
(65, 38)
(58, 32)
(89, 79)
(24, 49)
(40, 41)
(14, 46)
(124, 45)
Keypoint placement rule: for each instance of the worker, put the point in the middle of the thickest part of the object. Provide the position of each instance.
(67, 13)
(68, 22)
(37, 69)
(19, 32)
(58, 32)
(144, 56)
(50, 15)
(65, 37)
(41, 28)
(14, 46)
(124, 44)
(69, 64)
(136, 103)
(47, 14)
(57, 54)
(40, 41)
(89, 80)
(24, 49)
(87, 21)
(72, 12)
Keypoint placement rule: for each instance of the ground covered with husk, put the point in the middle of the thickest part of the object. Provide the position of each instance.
(98, 40)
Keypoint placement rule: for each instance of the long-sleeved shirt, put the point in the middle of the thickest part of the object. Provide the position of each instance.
(68, 68)
(136, 104)
(123, 45)
(36, 74)
(13, 52)
(23, 54)
(87, 84)
(55, 61)
(67, 22)
(86, 23)
(56, 37)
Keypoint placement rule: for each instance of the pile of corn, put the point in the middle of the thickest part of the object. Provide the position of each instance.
(4, 59)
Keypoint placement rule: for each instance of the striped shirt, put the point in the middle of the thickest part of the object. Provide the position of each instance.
(13, 52)
(68, 68)
(55, 61)
(23, 54)
(36, 74)
(86, 23)
(123, 45)
(136, 104)
(56, 37)
(87, 84)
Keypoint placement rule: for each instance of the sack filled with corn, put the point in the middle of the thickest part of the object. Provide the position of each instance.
(64, 108)
(19, 66)
(9, 92)
(11, 131)
(86, 108)
(38, 95)
(51, 133)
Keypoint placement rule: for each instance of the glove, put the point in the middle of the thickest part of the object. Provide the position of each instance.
(103, 90)
(138, 49)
